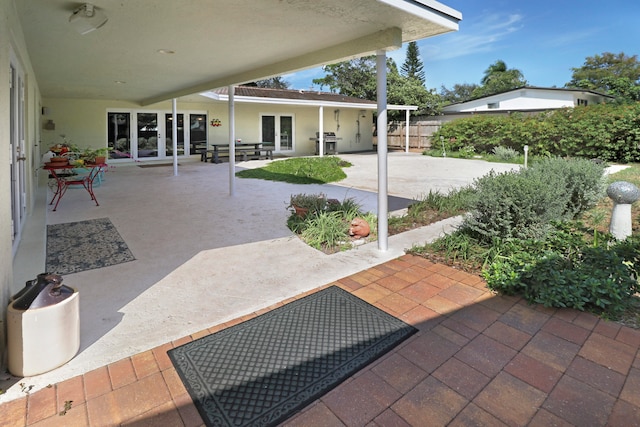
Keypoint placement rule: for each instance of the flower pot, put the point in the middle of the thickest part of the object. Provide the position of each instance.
(100, 160)
(57, 162)
(301, 212)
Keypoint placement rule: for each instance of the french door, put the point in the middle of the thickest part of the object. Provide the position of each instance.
(18, 153)
(148, 135)
(277, 130)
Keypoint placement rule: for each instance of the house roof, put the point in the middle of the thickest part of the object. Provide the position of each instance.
(150, 51)
(297, 97)
(531, 88)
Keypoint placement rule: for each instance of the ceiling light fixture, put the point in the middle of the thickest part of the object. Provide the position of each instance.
(87, 18)
(166, 51)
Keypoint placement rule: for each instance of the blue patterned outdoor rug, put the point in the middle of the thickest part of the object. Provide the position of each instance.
(84, 245)
(264, 370)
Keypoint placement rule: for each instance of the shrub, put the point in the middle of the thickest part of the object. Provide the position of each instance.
(522, 204)
(512, 205)
(584, 182)
(505, 154)
(605, 131)
(566, 270)
(312, 202)
(326, 225)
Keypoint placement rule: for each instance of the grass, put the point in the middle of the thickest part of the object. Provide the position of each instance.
(435, 206)
(300, 170)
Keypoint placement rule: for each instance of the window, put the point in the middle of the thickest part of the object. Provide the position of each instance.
(582, 102)
(493, 105)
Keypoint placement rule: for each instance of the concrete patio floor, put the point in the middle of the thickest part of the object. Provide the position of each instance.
(205, 260)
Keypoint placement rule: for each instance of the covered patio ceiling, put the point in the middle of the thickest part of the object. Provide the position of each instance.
(150, 51)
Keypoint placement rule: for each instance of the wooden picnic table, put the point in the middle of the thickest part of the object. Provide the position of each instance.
(244, 149)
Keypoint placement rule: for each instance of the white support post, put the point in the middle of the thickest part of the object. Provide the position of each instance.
(232, 142)
(383, 202)
(174, 136)
(407, 128)
(321, 131)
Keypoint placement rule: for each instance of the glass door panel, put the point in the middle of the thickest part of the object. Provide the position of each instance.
(197, 133)
(169, 134)
(147, 137)
(286, 133)
(119, 135)
(268, 130)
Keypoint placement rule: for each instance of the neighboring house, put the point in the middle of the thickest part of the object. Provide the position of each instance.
(527, 99)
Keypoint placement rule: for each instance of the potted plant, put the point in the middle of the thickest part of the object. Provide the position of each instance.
(95, 155)
(302, 203)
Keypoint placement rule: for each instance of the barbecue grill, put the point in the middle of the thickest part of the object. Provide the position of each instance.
(329, 139)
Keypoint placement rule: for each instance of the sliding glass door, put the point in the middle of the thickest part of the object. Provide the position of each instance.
(148, 135)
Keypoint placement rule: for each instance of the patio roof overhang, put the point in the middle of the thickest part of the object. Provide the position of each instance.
(364, 105)
(150, 51)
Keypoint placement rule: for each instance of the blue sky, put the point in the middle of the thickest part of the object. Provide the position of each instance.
(544, 39)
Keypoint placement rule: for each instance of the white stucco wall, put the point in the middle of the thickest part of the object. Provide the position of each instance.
(13, 49)
(525, 99)
(83, 122)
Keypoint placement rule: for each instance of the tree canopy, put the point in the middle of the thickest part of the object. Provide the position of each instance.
(498, 78)
(357, 78)
(459, 93)
(613, 74)
(412, 68)
(273, 83)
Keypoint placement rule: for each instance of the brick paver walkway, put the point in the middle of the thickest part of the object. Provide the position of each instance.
(478, 359)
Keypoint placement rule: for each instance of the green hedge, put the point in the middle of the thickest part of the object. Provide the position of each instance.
(605, 131)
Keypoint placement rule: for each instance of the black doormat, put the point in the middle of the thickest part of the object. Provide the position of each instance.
(84, 245)
(262, 371)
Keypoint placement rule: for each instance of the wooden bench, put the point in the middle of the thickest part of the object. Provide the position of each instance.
(245, 153)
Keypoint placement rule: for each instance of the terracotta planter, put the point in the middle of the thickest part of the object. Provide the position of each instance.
(101, 160)
(301, 212)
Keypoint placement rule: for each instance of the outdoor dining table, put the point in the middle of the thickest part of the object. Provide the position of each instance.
(64, 181)
(241, 147)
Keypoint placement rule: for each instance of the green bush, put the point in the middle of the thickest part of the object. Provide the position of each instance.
(522, 204)
(605, 131)
(326, 225)
(512, 205)
(585, 183)
(505, 154)
(566, 270)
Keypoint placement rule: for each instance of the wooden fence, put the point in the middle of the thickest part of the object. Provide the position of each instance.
(419, 134)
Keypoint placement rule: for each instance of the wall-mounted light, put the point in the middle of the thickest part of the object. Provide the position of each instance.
(49, 125)
(87, 18)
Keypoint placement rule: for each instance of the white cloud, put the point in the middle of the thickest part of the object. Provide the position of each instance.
(482, 35)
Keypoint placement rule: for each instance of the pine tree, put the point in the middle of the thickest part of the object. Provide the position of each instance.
(413, 67)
